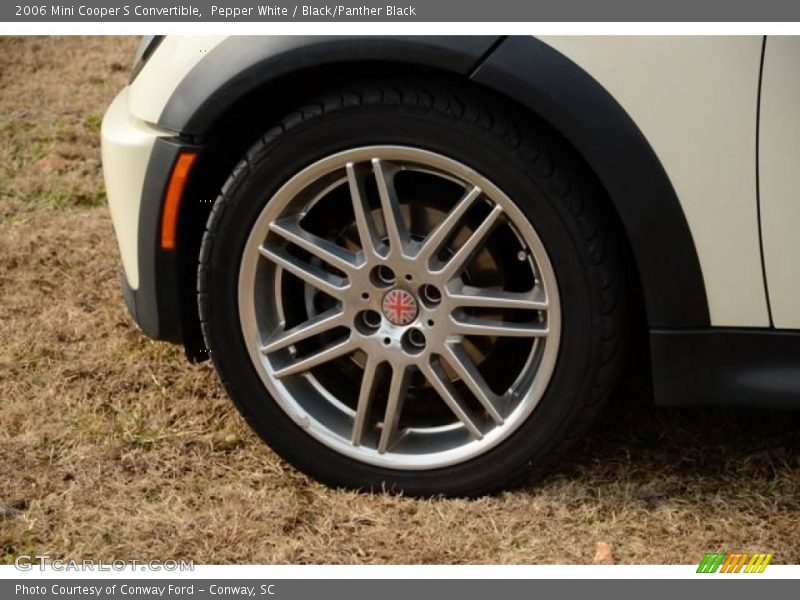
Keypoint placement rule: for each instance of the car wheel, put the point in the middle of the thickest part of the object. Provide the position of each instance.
(414, 289)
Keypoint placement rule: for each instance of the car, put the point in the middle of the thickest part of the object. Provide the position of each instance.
(422, 264)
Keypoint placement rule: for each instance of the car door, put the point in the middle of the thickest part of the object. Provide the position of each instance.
(779, 175)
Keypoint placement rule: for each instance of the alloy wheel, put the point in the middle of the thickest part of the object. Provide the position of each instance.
(399, 307)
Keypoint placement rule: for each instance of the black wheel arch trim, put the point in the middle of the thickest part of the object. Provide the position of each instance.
(575, 104)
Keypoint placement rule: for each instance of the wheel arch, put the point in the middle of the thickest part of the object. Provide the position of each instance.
(522, 69)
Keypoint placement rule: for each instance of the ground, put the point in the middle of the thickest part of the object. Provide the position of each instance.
(113, 446)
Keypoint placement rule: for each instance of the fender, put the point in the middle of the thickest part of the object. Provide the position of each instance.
(240, 65)
(522, 68)
(575, 104)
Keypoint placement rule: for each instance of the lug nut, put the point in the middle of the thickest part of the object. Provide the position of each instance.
(413, 341)
(430, 295)
(368, 321)
(382, 276)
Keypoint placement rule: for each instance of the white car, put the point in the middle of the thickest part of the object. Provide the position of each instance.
(421, 264)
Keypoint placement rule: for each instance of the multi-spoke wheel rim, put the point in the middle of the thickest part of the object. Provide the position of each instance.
(368, 323)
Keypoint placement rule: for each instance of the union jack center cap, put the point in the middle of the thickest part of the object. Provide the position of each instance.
(399, 307)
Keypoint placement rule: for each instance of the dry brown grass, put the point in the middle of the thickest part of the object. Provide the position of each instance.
(114, 447)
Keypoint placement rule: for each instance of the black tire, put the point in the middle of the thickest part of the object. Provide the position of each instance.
(547, 181)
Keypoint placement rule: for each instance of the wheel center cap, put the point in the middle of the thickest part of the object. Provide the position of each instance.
(399, 307)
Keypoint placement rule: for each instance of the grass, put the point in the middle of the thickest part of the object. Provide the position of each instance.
(114, 447)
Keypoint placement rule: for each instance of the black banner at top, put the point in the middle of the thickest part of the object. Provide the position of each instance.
(402, 11)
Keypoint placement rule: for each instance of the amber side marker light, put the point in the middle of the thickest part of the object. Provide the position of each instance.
(172, 201)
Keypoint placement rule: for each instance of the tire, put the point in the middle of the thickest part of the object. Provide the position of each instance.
(536, 182)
